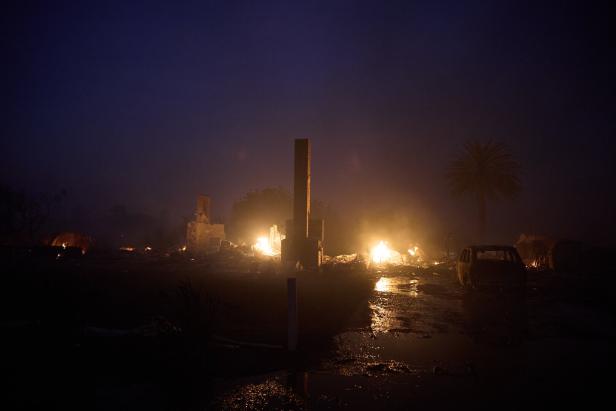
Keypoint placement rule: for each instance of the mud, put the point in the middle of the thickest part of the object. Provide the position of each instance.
(429, 344)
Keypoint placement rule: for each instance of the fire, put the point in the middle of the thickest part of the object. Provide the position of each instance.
(269, 245)
(263, 247)
(416, 256)
(381, 253)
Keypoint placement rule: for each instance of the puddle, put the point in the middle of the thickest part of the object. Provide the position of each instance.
(399, 285)
(406, 304)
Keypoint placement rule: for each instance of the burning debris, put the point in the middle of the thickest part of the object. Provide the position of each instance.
(72, 240)
(383, 254)
(535, 250)
(416, 256)
(344, 262)
(269, 245)
(262, 246)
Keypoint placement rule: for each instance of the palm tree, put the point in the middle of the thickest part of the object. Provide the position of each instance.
(484, 171)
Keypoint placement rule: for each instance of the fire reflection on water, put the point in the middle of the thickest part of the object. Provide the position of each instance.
(382, 285)
(397, 285)
(388, 290)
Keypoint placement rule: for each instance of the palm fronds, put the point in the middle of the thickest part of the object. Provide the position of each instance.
(484, 170)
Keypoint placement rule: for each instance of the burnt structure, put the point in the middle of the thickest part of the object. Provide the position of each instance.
(304, 241)
(202, 236)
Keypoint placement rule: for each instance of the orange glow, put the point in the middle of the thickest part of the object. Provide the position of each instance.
(262, 246)
(382, 254)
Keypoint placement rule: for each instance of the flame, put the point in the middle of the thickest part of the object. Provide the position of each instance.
(381, 253)
(263, 247)
(269, 245)
(413, 251)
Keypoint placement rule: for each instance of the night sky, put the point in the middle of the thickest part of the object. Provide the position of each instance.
(150, 103)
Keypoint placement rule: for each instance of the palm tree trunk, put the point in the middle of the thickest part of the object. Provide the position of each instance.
(481, 215)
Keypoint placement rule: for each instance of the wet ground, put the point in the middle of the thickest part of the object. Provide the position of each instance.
(429, 344)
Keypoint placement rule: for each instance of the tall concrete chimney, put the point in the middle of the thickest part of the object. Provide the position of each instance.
(301, 190)
(202, 213)
(302, 246)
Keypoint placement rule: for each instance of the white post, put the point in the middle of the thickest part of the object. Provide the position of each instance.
(292, 313)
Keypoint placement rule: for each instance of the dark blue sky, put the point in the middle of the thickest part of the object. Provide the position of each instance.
(150, 103)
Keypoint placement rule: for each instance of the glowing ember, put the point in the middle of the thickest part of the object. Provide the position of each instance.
(127, 248)
(413, 251)
(263, 247)
(182, 249)
(148, 248)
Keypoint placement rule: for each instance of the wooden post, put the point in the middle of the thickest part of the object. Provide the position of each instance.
(291, 313)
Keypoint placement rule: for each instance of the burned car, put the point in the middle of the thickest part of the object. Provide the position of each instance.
(491, 266)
